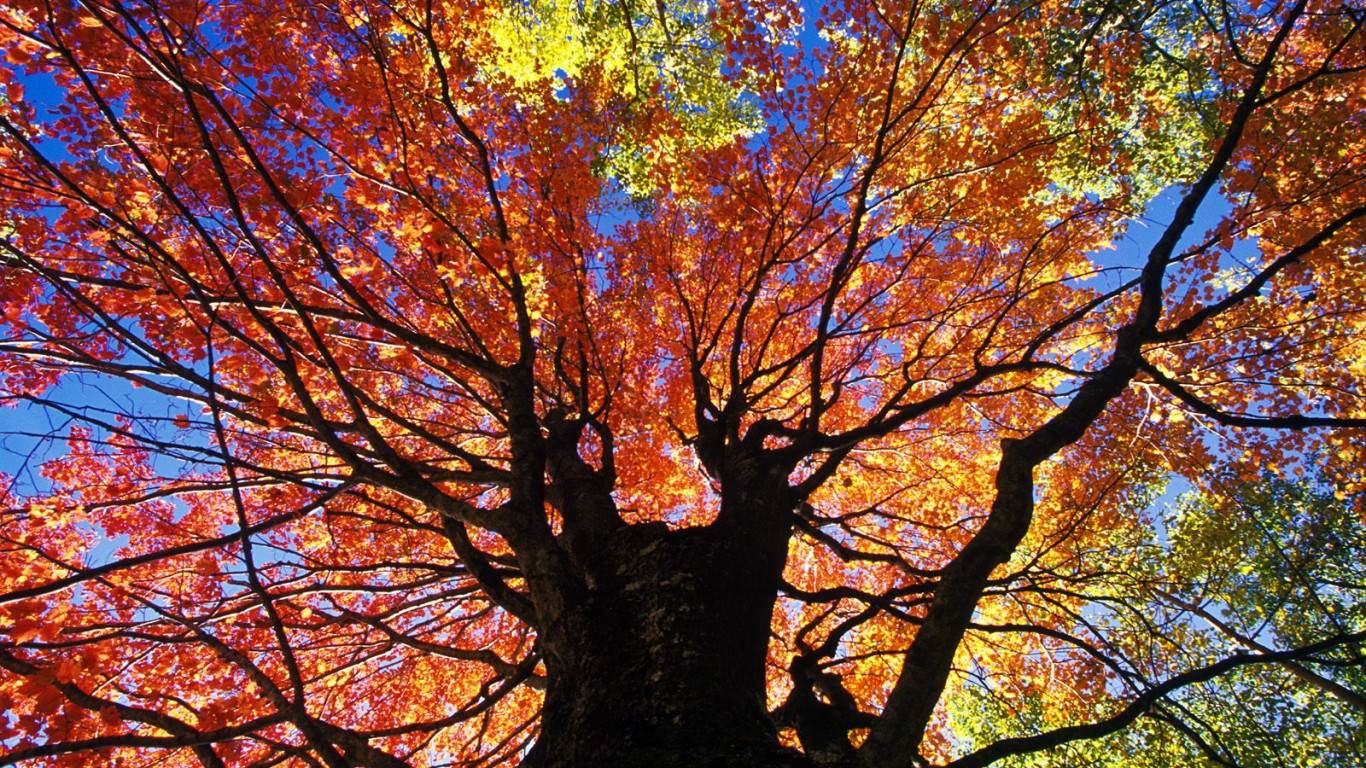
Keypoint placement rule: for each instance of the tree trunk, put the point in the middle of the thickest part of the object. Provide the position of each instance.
(662, 663)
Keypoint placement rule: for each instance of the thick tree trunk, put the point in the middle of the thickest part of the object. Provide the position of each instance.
(662, 663)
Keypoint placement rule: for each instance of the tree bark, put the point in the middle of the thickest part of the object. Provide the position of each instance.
(662, 663)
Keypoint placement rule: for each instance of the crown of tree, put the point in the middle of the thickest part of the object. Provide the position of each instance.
(404, 383)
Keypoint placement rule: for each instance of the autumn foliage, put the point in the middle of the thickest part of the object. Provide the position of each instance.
(396, 383)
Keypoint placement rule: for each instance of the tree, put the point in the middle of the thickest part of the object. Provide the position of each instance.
(1258, 567)
(656, 384)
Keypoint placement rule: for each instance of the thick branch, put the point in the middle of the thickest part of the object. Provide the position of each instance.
(1037, 743)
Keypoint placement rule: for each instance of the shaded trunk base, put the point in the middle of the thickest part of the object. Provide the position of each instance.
(634, 739)
(662, 665)
(622, 710)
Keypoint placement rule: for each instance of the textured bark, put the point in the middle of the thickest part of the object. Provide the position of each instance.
(655, 641)
(662, 663)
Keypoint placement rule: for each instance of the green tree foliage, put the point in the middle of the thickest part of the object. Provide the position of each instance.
(1246, 568)
(659, 54)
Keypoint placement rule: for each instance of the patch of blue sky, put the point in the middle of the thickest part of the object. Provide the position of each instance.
(37, 427)
(45, 97)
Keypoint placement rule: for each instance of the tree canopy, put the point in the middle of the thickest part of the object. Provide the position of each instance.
(883, 384)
